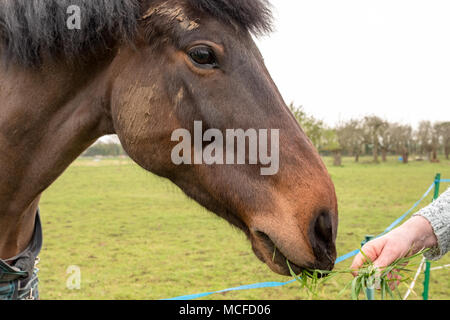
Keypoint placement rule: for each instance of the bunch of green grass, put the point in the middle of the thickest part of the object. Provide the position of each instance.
(368, 277)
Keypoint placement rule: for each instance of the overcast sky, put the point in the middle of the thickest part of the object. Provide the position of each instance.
(348, 58)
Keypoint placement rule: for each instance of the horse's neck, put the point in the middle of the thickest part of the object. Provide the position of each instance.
(47, 119)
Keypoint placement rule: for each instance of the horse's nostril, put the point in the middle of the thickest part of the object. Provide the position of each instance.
(323, 228)
(322, 240)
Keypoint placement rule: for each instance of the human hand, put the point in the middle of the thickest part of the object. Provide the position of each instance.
(413, 236)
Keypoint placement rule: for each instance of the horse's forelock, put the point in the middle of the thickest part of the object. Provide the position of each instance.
(252, 15)
(28, 28)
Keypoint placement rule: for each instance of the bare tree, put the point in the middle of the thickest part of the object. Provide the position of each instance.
(330, 143)
(386, 139)
(402, 139)
(424, 135)
(351, 137)
(444, 132)
(373, 125)
(435, 142)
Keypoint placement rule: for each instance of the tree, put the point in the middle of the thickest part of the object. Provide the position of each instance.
(373, 125)
(444, 132)
(435, 142)
(402, 139)
(428, 139)
(351, 137)
(312, 127)
(331, 143)
(386, 139)
(423, 137)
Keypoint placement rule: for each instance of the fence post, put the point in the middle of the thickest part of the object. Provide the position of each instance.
(367, 239)
(437, 184)
(370, 292)
(426, 282)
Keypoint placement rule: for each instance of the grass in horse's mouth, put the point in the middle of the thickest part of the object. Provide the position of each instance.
(277, 255)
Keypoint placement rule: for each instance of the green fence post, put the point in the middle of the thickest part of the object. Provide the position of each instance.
(370, 292)
(367, 239)
(426, 282)
(437, 184)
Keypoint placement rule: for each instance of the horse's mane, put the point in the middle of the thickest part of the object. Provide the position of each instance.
(28, 28)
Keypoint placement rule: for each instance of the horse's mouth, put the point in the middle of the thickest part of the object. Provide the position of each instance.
(274, 257)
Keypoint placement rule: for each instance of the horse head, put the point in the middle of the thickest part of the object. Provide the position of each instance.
(195, 63)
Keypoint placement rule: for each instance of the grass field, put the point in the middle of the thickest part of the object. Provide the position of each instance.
(136, 236)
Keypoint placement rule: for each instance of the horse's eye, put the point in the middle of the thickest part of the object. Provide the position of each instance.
(203, 57)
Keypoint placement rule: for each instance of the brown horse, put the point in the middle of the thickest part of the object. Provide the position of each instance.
(141, 70)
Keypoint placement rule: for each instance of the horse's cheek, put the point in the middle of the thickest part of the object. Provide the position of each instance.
(143, 130)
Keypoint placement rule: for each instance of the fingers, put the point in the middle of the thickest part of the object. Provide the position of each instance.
(382, 252)
(371, 251)
(384, 260)
(357, 263)
(394, 280)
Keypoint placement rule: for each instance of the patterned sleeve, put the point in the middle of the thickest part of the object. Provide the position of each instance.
(438, 214)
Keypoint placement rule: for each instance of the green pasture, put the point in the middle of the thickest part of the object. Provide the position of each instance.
(136, 236)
